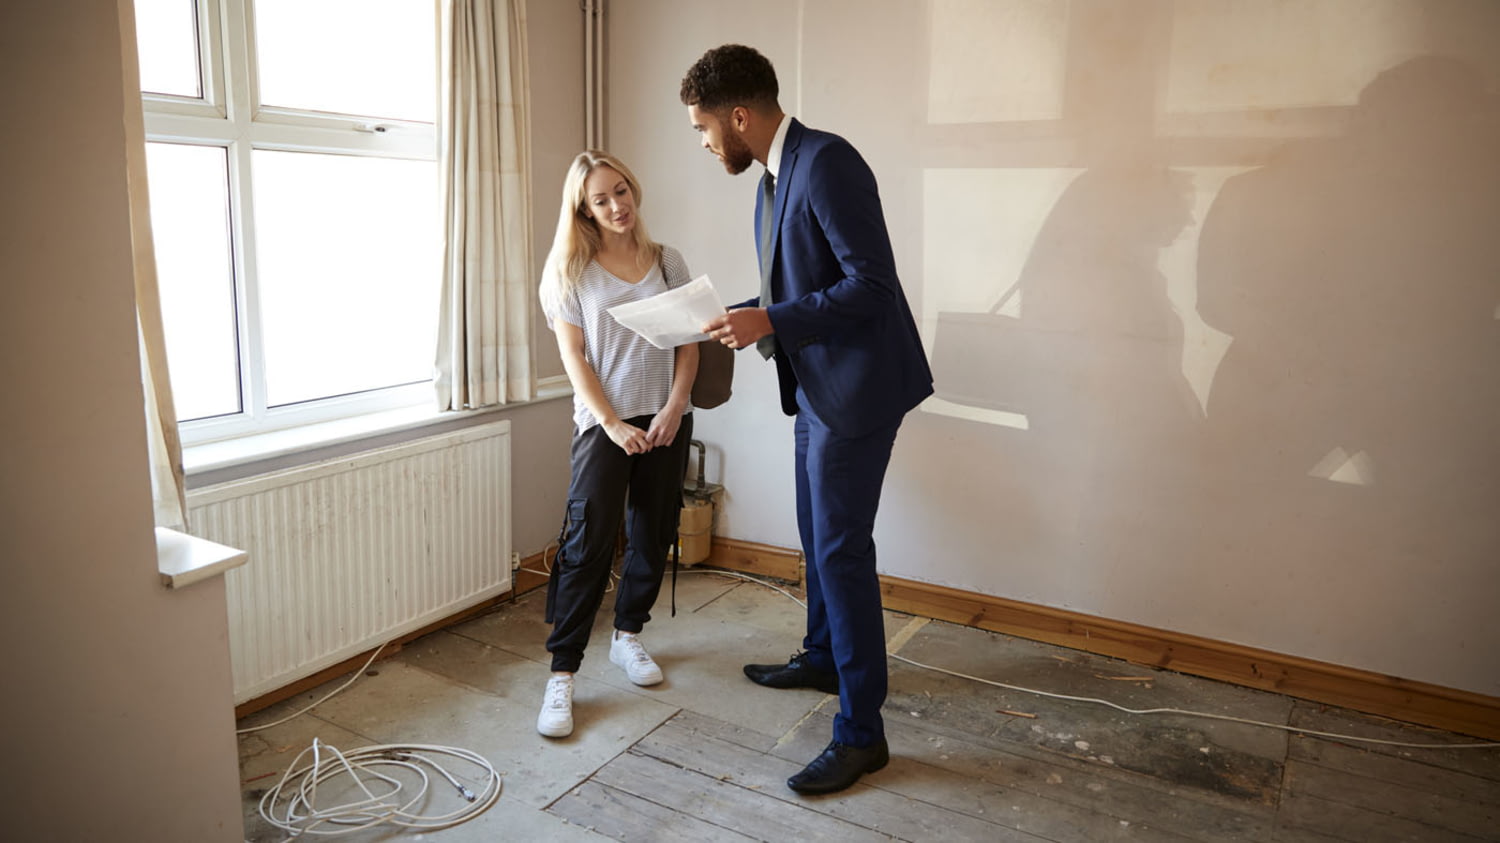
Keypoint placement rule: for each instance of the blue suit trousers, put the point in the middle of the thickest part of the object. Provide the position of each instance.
(838, 492)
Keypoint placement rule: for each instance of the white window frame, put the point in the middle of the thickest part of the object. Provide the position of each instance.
(229, 116)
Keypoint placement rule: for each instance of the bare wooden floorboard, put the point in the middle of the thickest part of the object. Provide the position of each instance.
(1178, 752)
(1370, 792)
(867, 804)
(625, 817)
(1017, 809)
(1305, 813)
(726, 804)
(1073, 783)
(728, 732)
(1441, 814)
(965, 767)
(1287, 832)
(1412, 773)
(1482, 763)
(1089, 783)
(1175, 763)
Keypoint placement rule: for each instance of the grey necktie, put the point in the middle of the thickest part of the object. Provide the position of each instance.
(766, 345)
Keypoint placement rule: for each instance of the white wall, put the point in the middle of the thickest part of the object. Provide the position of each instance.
(118, 713)
(1261, 413)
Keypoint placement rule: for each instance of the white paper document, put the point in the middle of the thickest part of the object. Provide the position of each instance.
(675, 317)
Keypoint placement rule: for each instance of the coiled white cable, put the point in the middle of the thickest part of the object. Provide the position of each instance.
(292, 805)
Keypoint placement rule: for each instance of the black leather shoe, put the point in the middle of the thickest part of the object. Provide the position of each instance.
(839, 766)
(796, 673)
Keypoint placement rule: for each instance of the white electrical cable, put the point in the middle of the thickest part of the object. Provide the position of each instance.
(292, 805)
(301, 815)
(300, 712)
(1117, 706)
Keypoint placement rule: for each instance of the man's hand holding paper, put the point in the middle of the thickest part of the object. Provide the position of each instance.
(741, 327)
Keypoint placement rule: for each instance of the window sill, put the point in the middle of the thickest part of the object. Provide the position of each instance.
(229, 453)
(182, 559)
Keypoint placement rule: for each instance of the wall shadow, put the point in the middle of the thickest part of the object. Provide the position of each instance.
(1355, 414)
(1093, 359)
(1352, 423)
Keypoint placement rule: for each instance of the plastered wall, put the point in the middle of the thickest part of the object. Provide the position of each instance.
(117, 694)
(1210, 289)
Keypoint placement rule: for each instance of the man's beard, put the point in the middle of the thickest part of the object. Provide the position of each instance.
(737, 154)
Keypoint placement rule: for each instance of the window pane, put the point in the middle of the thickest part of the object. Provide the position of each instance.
(369, 57)
(166, 34)
(190, 226)
(349, 266)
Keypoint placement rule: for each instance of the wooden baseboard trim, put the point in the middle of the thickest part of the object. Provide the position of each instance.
(1409, 701)
(1405, 700)
(753, 558)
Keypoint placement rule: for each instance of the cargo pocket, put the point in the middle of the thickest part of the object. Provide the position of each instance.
(574, 521)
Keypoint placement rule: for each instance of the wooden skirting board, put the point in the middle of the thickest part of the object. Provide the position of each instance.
(1409, 701)
(760, 559)
(1373, 693)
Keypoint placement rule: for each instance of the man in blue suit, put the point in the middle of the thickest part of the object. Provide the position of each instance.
(850, 365)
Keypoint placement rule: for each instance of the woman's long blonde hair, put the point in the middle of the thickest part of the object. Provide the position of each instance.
(577, 239)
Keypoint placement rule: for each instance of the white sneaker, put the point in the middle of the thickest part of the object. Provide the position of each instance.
(556, 719)
(626, 651)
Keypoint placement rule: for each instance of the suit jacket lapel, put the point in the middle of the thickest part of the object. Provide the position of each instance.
(783, 185)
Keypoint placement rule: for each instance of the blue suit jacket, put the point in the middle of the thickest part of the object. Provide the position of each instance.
(844, 330)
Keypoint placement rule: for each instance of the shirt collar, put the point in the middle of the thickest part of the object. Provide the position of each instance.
(773, 156)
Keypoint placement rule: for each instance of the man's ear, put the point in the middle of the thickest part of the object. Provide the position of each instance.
(739, 118)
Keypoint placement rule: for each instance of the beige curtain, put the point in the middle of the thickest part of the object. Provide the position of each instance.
(168, 487)
(484, 341)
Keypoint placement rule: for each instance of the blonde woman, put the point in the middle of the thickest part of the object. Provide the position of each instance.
(632, 424)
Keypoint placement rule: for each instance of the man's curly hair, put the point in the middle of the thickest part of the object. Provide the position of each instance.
(728, 76)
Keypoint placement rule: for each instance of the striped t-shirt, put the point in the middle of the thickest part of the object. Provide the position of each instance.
(636, 376)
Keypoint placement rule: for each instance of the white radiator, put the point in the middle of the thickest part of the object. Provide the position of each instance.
(348, 553)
